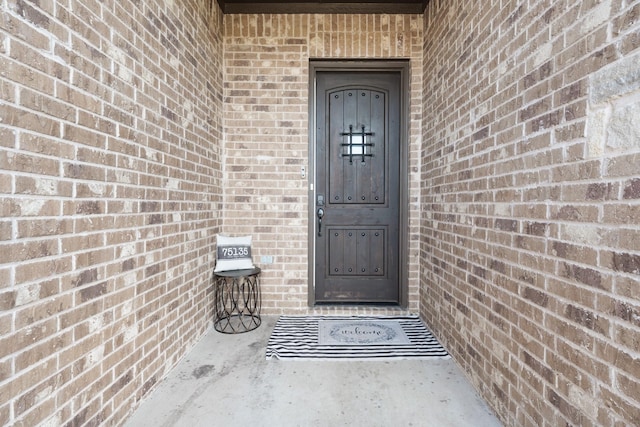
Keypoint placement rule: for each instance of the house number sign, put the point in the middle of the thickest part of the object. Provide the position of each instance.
(234, 252)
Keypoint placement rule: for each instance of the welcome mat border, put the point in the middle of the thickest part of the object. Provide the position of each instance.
(296, 337)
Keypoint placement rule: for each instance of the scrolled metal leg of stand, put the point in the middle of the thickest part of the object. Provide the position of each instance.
(237, 301)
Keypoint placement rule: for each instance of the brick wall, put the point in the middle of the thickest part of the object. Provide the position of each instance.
(266, 133)
(110, 187)
(531, 204)
(121, 125)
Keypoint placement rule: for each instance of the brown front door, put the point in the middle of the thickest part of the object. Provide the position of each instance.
(357, 194)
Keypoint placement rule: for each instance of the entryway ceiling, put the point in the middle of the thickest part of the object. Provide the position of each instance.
(323, 6)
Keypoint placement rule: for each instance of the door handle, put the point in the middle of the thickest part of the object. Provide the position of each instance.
(320, 214)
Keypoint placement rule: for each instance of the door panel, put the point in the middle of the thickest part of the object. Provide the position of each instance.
(357, 250)
(357, 187)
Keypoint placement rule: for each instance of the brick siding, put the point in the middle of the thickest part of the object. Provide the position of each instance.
(530, 204)
(267, 136)
(110, 187)
(132, 132)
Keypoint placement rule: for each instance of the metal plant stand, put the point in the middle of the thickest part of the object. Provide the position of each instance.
(238, 300)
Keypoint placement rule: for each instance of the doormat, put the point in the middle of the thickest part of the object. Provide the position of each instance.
(361, 332)
(352, 337)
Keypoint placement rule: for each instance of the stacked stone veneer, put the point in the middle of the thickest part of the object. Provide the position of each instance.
(531, 204)
(110, 188)
(267, 137)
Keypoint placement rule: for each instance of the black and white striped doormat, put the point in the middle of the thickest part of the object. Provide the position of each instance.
(352, 337)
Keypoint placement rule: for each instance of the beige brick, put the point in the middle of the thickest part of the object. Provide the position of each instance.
(119, 132)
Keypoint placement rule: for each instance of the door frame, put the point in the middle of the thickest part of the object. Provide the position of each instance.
(401, 66)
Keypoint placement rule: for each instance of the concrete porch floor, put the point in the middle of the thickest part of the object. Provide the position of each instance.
(226, 380)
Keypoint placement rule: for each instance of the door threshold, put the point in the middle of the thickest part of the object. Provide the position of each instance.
(352, 304)
(359, 310)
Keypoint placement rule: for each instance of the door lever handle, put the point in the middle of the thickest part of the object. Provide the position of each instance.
(320, 214)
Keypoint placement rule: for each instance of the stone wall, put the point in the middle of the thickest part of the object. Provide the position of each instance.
(531, 204)
(110, 188)
(267, 136)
